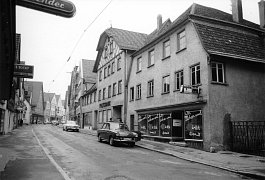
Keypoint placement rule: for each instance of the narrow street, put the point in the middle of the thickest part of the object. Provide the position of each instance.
(48, 152)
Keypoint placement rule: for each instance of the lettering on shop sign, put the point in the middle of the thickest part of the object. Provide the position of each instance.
(62, 8)
(105, 104)
(23, 71)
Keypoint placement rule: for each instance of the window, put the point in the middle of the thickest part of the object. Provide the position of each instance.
(95, 96)
(109, 91)
(181, 40)
(151, 58)
(90, 98)
(217, 72)
(109, 72)
(99, 95)
(138, 91)
(195, 75)
(131, 93)
(150, 88)
(100, 117)
(165, 84)
(114, 89)
(166, 49)
(100, 75)
(139, 64)
(105, 72)
(178, 79)
(112, 67)
(120, 87)
(119, 64)
(104, 93)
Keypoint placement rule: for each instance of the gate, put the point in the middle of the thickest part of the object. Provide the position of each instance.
(248, 137)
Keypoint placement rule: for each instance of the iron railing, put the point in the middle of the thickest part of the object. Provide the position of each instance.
(248, 137)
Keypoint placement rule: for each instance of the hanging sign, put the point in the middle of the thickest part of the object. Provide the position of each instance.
(23, 71)
(57, 7)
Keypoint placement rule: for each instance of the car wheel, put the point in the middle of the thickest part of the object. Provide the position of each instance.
(77, 130)
(63, 129)
(99, 138)
(111, 141)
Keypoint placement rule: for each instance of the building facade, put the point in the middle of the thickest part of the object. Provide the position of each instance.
(196, 76)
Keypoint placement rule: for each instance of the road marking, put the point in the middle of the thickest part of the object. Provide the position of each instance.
(47, 152)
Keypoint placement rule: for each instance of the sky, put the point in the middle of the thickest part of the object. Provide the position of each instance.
(48, 41)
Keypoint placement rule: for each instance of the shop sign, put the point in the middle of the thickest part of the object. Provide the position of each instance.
(23, 71)
(177, 122)
(193, 125)
(62, 8)
(105, 104)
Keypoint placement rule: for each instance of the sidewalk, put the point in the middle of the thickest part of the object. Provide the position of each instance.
(248, 165)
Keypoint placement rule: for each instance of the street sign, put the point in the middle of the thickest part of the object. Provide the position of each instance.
(57, 7)
(23, 71)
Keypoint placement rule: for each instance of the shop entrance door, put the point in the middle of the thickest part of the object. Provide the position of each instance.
(177, 124)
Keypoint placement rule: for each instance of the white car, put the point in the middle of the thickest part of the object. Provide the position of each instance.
(71, 125)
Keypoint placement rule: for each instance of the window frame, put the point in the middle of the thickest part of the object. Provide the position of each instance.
(118, 63)
(119, 86)
(151, 57)
(179, 80)
(165, 87)
(139, 64)
(196, 83)
(138, 92)
(150, 88)
(132, 93)
(114, 87)
(109, 91)
(165, 56)
(217, 72)
(179, 40)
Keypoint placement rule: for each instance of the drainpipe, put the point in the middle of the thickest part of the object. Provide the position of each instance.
(125, 102)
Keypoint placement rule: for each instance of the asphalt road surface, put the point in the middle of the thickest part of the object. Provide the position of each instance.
(48, 152)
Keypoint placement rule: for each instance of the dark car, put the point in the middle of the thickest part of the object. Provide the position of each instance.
(114, 132)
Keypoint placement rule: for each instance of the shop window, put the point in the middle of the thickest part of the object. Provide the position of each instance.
(153, 124)
(195, 75)
(142, 122)
(193, 125)
(165, 124)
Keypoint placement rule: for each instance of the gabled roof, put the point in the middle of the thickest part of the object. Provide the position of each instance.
(125, 39)
(48, 96)
(219, 34)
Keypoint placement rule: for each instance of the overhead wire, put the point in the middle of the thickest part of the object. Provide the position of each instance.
(78, 41)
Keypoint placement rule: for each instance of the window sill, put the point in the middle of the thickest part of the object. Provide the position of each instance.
(138, 71)
(219, 83)
(176, 90)
(150, 96)
(164, 93)
(150, 65)
(137, 99)
(131, 100)
(165, 58)
(178, 51)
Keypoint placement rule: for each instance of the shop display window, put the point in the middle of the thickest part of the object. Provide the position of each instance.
(153, 124)
(165, 124)
(142, 122)
(193, 125)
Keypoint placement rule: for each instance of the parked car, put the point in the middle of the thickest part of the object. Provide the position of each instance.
(55, 122)
(71, 125)
(47, 122)
(114, 132)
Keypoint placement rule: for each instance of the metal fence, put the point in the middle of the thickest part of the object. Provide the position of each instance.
(248, 137)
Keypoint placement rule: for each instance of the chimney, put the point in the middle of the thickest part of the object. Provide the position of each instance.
(237, 12)
(159, 21)
(262, 14)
